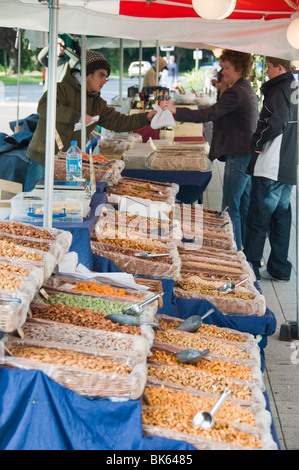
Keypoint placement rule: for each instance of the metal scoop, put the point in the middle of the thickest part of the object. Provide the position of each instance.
(205, 419)
(137, 309)
(230, 286)
(194, 322)
(123, 319)
(191, 356)
(149, 254)
(218, 216)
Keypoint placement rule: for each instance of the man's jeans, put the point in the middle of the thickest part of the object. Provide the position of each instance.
(236, 192)
(35, 173)
(269, 212)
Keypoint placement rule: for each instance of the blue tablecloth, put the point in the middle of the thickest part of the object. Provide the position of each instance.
(192, 183)
(39, 414)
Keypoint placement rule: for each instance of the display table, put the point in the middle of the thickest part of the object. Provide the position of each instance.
(183, 308)
(39, 414)
(192, 183)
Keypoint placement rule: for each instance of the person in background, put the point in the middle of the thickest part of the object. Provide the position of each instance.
(150, 78)
(235, 117)
(68, 113)
(273, 170)
(173, 73)
(164, 75)
(66, 59)
(153, 59)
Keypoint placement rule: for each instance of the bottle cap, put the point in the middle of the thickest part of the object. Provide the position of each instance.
(73, 142)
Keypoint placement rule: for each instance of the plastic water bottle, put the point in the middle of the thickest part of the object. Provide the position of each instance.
(73, 162)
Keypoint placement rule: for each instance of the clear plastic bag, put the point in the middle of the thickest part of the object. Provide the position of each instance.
(13, 313)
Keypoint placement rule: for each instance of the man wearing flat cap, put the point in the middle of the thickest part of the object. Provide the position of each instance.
(68, 113)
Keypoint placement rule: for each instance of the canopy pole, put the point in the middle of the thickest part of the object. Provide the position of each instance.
(51, 112)
(297, 230)
(157, 63)
(83, 93)
(140, 60)
(18, 46)
(121, 70)
(289, 330)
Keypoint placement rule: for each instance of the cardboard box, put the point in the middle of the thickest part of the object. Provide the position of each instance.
(188, 129)
(8, 189)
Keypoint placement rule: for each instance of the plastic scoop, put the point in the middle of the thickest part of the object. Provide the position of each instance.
(10, 299)
(230, 286)
(194, 322)
(205, 419)
(137, 309)
(218, 216)
(123, 319)
(191, 356)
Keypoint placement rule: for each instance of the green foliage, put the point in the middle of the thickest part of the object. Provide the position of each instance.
(196, 79)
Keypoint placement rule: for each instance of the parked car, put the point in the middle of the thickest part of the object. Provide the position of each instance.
(134, 68)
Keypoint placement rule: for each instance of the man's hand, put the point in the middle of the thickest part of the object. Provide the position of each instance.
(88, 119)
(151, 114)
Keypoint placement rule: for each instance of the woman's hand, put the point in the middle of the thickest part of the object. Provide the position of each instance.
(168, 105)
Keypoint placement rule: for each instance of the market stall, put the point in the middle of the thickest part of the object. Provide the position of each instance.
(245, 414)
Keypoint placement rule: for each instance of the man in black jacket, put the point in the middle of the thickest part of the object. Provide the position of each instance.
(273, 170)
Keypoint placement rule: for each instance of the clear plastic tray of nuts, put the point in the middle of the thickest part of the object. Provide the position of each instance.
(13, 310)
(98, 340)
(27, 271)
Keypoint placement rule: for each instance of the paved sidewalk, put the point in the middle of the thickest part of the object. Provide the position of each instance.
(282, 357)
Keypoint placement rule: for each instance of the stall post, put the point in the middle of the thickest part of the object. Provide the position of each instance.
(140, 60)
(83, 93)
(51, 112)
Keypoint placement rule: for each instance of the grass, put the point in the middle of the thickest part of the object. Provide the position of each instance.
(25, 78)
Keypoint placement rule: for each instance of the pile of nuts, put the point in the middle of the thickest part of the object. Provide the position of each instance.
(199, 380)
(9, 250)
(195, 285)
(175, 410)
(71, 358)
(9, 281)
(17, 228)
(27, 243)
(86, 301)
(80, 317)
(189, 340)
(215, 367)
(206, 330)
(13, 269)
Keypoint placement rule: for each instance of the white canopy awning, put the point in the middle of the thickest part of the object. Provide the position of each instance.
(102, 18)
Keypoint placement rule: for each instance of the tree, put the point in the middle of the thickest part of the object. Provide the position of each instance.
(7, 44)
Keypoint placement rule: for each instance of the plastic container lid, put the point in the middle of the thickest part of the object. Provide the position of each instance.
(73, 142)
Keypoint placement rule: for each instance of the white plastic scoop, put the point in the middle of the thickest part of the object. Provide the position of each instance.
(205, 419)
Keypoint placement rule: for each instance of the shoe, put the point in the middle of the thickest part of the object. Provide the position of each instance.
(269, 277)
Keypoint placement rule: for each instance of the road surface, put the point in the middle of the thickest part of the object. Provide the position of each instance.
(30, 95)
